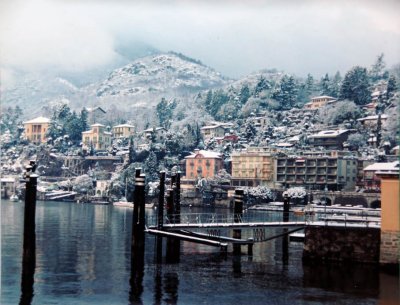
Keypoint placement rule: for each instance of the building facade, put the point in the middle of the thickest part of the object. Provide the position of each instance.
(329, 139)
(252, 167)
(36, 129)
(316, 172)
(123, 131)
(371, 180)
(203, 164)
(97, 136)
(319, 101)
(159, 133)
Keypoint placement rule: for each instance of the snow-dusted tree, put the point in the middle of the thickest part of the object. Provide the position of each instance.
(83, 184)
(244, 94)
(378, 68)
(256, 194)
(165, 111)
(339, 112)
(391, 87)
(295, 192)
(356, 140)
(325, 85)
(286, 93)
(335, 84)
(151, 167)
(355, 86)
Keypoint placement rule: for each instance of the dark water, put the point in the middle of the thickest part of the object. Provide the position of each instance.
(83, 257)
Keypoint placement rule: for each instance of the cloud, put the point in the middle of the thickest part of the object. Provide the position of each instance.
(235, 37)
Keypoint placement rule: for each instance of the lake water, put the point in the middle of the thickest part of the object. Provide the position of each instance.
(83, 257)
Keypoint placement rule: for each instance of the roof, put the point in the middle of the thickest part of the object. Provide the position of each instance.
(124, 125)
(7, 179)
(389, 166)
(38, 120)
(373, 117)
(94, 109)
(328, 133)
(212, 127)
(152, 129)
(205, 154)
(97, 125)
(323, 96)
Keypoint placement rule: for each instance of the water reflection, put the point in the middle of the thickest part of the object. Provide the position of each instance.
(83, 256)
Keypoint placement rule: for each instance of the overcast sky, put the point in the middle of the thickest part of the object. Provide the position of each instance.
(234, 37)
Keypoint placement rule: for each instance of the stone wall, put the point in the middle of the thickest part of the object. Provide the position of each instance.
(390, 251)
(341, 244)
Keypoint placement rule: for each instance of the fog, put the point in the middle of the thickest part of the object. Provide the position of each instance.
(234, 37)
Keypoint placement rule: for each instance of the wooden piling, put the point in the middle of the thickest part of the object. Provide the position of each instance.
(29, 243)
(160, 217)
(286, 202)
(178, 198)
(238, 213)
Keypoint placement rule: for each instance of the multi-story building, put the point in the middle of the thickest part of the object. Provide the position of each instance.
(372, 180)
(372, 120)
(215, 131)
(159, 133)
(203, 164)
(329, 139)
(35, 130)
(97, 136)
(316, 172)
(8, 185)
(123, 131)
(252, 167)
(319, 101)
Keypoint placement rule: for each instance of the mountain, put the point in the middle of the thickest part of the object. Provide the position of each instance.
(139, 85)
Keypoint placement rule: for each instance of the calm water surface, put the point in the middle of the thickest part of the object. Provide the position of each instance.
(83, 257)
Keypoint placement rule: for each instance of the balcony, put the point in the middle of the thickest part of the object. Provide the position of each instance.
(281, 163)
(321, 164)
(311, 163)
(280, 178)
(321, 172)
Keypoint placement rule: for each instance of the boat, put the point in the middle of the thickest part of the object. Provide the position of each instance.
(14, 197)
(123, 204)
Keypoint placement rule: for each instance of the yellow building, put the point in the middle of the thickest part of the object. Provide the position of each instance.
(252, 167)
(35, 130)
(97, 136)
(123, 131)
(390, 218)
(319, 101)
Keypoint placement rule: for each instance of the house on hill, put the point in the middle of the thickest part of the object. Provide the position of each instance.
(159, 133)
(97, 136)
(36, 129)
(123, 131)
(329, 139)
(319, 101)
(203, 163)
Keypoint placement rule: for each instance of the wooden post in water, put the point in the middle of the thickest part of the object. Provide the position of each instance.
(286, 201)
(29, 245)
(173, 245)
(138, 239)
(160, 217)
(238, 212)
(178, 198)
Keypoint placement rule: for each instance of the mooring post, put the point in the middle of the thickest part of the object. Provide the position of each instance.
(29, 244)
(173, 244)
(160, 216)
(138, 238)
(178, 198)
(250, 246)
(237, 216)
(286, 201)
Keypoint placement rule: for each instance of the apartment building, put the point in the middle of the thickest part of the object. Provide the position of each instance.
(316, 172)
(97, 136)
(319, 101)
(203, 164)
(372, 180)
(123, 131)
(329, 139)
(35, 130)
(253, 167)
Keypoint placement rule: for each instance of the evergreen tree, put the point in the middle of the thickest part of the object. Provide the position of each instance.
(151, 167)
(132, 152)
(355, 86)
(209, 99)
(378, 69)
(250, 131)
(325, 85)
(262, 85)
(309, 86)
(286, 93)
(378, 130)
(244, 94)
(391, 87)
(165, 112)
(335, 84)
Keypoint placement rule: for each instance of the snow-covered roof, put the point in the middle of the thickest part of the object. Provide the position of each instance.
(152, 129)
(372, 117)
(328, 133)
(323, 96)
(89, 109)
(205, 154)
(124, 125)
(212, 127)
(38, 120)
(7, 179)
(388, 166)
(284, 144)
(97, 125)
